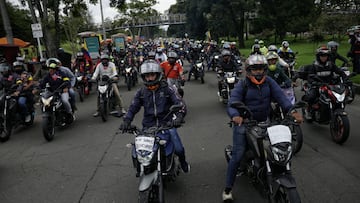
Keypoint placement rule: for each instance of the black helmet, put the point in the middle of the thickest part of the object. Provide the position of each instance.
(151, 66)
(18, 67)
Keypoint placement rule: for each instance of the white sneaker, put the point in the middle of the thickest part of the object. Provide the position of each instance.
(123, 111)
(28, 118)
(227, 197)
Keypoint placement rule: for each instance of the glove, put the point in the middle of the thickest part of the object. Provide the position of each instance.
(125, 126)
(177, 121)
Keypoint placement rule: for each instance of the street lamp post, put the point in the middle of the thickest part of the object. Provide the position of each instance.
(102, 20)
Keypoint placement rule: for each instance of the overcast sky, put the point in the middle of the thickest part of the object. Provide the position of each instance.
(161, 6)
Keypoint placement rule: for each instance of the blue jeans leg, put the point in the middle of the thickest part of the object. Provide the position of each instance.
(179, 148)
(239, 147)
(23, 106)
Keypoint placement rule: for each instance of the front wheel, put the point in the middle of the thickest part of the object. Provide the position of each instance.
(287, 195)
(202, 80)
(129, 83)
(340, 128)
(103, 109)
(81, 91)
(6, 131)
(48, 128)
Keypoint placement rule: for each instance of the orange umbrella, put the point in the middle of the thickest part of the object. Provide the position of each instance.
(17, 42)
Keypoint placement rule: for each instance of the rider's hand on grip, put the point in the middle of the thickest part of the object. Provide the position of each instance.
(237, 120)
(176, 122)
(298, 117)
(125, 126)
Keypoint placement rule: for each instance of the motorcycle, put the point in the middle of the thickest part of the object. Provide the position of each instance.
(267, 161)
(228, 81)
(106, 97)
(12, 117)
(154, 158)
(130, 77)
(238, 63)
(54, 112)
(350, 89)
(329, 108)
(198, 71)
(214, 60)
(82, 84)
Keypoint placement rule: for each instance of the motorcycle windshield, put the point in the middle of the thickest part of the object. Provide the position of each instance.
(278, 134)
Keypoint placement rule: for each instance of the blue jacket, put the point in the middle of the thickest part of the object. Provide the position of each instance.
(156, 105)
(258, 98)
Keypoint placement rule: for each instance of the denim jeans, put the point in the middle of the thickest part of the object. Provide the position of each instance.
(65, 101)
(179, 148)
(239, 147)
(23, 106)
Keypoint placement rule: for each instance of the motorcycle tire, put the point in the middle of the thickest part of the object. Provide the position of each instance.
(202, 80)
(340, 128)
(103, 109)
(287, 195)
(48, 128)
(6, 132)
(161, 191)
(144, 196)
(81, 93)
(128, 84)
(297, 138)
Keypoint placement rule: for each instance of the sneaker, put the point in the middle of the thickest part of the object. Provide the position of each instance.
(227, 197)
(27, 118)
(123, 111)
(96, 114)
(185, 167)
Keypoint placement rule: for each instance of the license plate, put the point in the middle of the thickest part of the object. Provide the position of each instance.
(144, 143)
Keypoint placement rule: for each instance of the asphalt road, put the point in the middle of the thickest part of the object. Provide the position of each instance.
(89, 162)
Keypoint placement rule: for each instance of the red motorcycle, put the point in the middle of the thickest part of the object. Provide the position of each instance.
(83, 76)
(329, 108)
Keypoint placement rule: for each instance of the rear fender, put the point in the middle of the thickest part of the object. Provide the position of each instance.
(147, 180)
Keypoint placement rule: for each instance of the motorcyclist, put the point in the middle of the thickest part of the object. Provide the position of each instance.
(322, 69)
(24, 92)
(156, 98)
(256, 92)
(108, 68)
(173, 71)
(354, 52)
(233, 49)
(285, 52)
(256, 50)
(55, 78)
(333, 47)
(273, 48)
(193, 56)
(72, 79)
(276, 72)
(160, 55)
(226, 65)
(263, 48)
(82, 64)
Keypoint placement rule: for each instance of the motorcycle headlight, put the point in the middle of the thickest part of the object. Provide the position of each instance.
(281, 153)
(102, 89)
(216, 57)
(46, 102)
(230, 80)
(339, 97)
(79, 78)
(144, 157)
(199, 65)
(128, 70)
(238, 61)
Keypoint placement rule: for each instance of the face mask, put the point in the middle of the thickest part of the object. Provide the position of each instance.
(272, 67)
(259, 77)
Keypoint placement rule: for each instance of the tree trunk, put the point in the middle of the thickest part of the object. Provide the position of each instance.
(6, 22)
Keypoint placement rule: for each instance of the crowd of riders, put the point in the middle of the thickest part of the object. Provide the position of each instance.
(159, 64)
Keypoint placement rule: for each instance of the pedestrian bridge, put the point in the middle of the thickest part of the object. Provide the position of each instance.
(169, 19)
